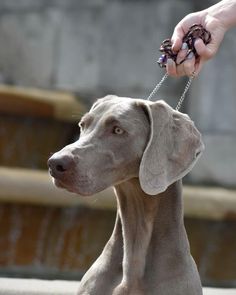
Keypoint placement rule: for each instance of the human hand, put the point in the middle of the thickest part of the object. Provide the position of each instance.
(205, 52)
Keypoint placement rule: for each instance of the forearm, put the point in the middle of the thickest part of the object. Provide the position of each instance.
(225, 12)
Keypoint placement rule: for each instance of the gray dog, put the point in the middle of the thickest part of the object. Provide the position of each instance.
(143, 149)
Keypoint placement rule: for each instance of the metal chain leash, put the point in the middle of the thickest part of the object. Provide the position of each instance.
(181, 100)
(195, 31)
(186, 88)
(154, 91)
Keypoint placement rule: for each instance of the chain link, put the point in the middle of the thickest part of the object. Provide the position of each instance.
(181, 100)
(157, 87)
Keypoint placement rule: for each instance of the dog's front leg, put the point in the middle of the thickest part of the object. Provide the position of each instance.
(106, 272)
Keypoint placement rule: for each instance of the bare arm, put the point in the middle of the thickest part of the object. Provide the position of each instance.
(217, 19)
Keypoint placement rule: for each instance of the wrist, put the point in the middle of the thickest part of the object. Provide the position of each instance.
(224, 12)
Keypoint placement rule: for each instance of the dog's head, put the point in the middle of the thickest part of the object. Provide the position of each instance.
(122, 138)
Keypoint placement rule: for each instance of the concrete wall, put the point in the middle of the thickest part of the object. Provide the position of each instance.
(97, 47)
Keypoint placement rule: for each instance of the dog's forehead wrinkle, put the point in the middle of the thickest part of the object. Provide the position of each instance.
(118, 109)
(124, 113)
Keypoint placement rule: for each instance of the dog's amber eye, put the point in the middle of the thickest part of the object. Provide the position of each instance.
(117, 130)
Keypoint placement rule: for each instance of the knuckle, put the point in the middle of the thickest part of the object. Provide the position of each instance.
(188, 66)
(180, 71)
(171, 69)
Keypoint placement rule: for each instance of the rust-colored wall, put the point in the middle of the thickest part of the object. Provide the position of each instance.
(50, 241)
(28, 142)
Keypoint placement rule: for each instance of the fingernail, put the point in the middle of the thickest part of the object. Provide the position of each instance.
(184, 46)
(173, 47)
(191, 55)
(169, 61)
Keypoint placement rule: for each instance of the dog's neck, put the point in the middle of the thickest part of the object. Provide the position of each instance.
(152, 230)
(148, 252)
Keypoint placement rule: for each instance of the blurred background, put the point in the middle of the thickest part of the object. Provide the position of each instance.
(56, 58)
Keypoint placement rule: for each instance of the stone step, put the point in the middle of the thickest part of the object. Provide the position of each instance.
(20, 185)
(35, 102)
(10, 286)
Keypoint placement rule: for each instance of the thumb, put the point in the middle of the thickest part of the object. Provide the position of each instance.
(177, 38)
(204, 51)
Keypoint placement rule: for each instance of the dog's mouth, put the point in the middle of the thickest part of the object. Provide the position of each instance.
(81, 185)
(60, 184)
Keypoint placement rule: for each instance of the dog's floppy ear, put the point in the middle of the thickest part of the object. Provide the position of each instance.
(173, 148)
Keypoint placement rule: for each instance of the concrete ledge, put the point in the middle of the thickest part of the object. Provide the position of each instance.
(215, 203)
(40, 103)
(35, 187)
(43, 287)
(28, 186)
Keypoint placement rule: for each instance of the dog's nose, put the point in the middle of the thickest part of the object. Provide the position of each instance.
(58, 165)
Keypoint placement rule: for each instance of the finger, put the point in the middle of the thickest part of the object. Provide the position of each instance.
(171, 67)
(185, 69)
(182, 53)
(204, 51)
(189, 65)
(180, 70)
(200, 46)
(177, 38)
